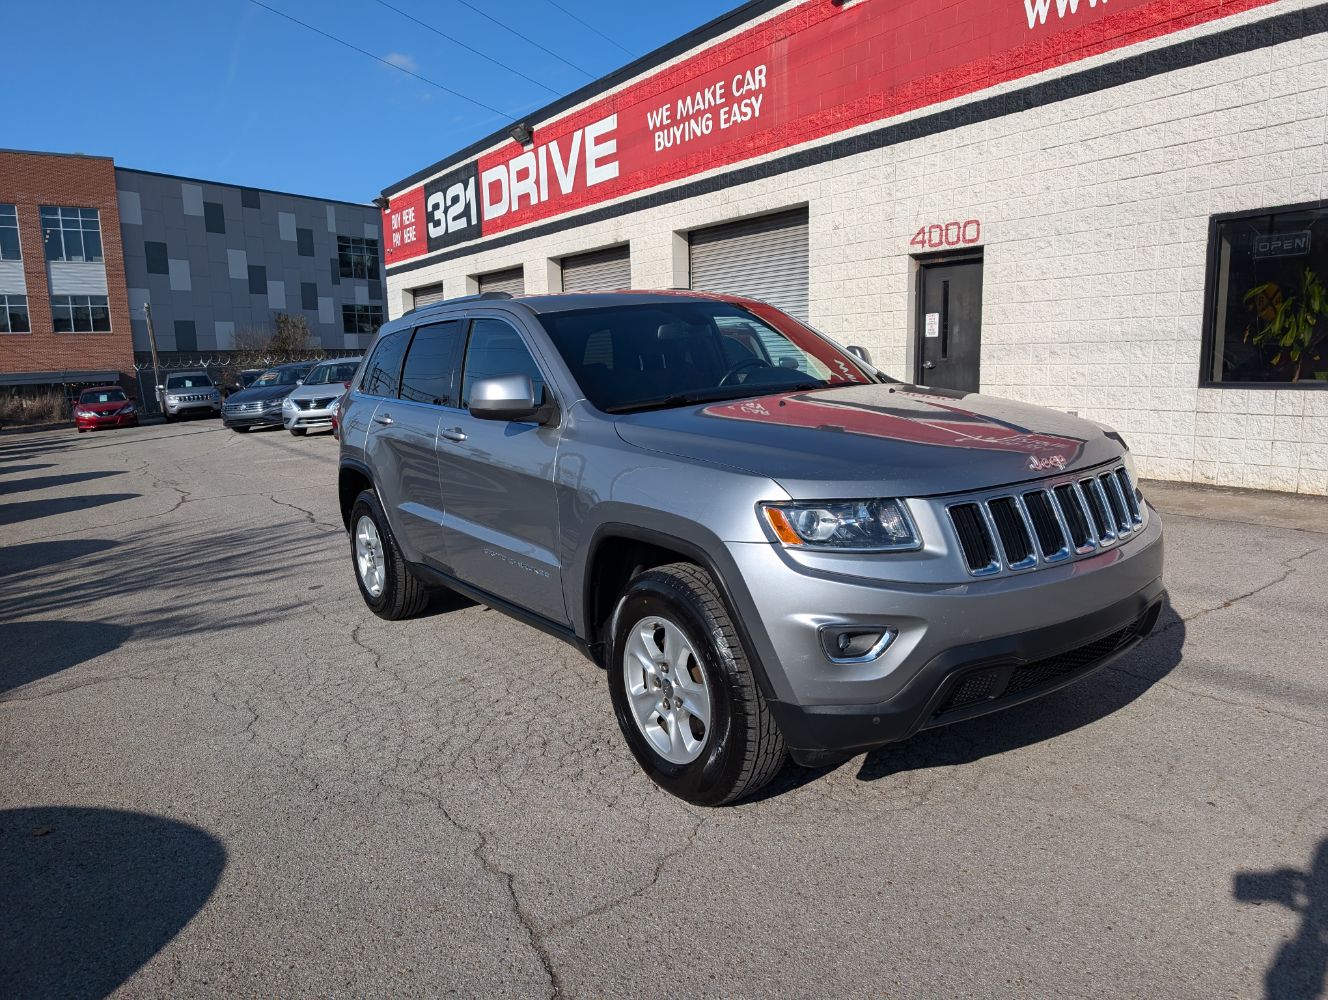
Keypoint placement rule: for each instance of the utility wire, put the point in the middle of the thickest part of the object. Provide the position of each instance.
(586, 24)
(468, 48)
(366, 52)
(526, 38)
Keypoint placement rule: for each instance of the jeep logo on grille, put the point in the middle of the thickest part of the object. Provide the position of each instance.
(1042, 463)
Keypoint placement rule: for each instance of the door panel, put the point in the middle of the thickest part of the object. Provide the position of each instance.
(496, 479)
(949, 325)
(404, 454)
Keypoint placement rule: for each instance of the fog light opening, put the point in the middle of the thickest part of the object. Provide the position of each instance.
(856, 643)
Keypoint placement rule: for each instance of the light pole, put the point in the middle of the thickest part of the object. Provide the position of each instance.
(156, 365)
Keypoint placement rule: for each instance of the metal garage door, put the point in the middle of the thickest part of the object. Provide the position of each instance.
(511, 281)
(428, 294)
(764, 258)
(602, 270)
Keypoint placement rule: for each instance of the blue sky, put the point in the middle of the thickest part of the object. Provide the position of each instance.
(227, 91)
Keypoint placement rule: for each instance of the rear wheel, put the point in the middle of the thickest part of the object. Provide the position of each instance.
(386, 584)
(684, 692)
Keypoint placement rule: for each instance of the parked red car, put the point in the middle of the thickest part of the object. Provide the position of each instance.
(104, 406)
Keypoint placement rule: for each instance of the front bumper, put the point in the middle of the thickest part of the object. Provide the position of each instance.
(103, 423)
(972, 680)
(945, 632)
(308, 419)
(269, 418)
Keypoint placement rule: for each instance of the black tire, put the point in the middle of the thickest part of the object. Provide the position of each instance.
(299, 432)
(403, 595)
(744, 748)
(240, 430)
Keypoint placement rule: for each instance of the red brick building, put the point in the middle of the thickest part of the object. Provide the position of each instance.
(64, 307)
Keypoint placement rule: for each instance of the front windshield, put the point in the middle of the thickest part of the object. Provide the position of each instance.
(278, 376)
(636, 357)
(102, 396)
(188, 382)
(343, 371)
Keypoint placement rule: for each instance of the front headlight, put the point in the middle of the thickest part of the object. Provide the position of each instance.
(288, 403)
(273, 404)
(128, 409)
(843, 525)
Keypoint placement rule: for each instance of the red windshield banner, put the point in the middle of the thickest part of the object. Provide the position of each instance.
(811, 71)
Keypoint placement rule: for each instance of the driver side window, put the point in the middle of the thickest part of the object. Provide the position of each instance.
(495, 348)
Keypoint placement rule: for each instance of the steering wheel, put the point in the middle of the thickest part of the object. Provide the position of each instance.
(741, 366)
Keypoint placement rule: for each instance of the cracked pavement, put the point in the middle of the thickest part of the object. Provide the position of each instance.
(320, 803)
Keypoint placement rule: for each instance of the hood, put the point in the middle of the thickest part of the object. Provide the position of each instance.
(104, 408)
(259, 394)
(877, 440)
(322, 391)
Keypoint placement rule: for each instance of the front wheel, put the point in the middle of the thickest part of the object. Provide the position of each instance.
(240, 430)
(684, 693)
(299, 432)
(386, 584)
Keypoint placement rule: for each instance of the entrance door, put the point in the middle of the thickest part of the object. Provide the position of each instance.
(949, 325)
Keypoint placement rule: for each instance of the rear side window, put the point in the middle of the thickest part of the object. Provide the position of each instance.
(496, 348)
(430, 375)
(383, 370)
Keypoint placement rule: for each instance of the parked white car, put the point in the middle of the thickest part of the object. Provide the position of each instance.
(311, 405)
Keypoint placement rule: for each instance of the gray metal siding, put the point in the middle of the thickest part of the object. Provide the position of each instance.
(236, 279)
(598, 271)
(512, 281)
(766, 258)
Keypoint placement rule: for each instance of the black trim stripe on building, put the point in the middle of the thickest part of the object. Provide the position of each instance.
(1243, 38)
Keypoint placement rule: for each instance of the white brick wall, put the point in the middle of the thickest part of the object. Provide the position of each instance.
(1095, 215)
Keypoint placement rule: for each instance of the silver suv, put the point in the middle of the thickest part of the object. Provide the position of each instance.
(189, 394)
(772, 548)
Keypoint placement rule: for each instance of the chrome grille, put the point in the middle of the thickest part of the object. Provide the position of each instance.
(243, 407)
(314, 404)
(1046, 524)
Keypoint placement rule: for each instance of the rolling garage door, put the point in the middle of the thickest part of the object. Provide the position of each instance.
(428, 294)
(764, 258)
(511, 281)
(603, 270)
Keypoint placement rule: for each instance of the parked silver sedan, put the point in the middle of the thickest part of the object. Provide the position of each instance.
(311, 405)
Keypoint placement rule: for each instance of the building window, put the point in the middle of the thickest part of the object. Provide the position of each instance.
(249, 198)
(214, 217)
(80, 314)
(357, 258)
(1267, 308)
(304, 242)
(14, 314)
(155, 253)
(9, 246)
(72, 234)
(361, 319)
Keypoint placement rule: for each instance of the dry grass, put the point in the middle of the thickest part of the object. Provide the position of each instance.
(35, 408)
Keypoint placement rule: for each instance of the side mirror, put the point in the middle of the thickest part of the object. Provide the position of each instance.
(160, 387)
(506, 397)
(861, 353)
(299, 381)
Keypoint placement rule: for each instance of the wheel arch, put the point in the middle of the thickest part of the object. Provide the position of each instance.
(620, 550)
(353, 478)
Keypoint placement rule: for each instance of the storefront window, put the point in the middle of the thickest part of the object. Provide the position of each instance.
(1268, 297)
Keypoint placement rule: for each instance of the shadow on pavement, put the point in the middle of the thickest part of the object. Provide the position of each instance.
(1080, 704)
(91, 895)
(34, 650)
(37, 555)
(10, 470)
(1301, 966)
(168, 580)
(29, 510)
(50, 482)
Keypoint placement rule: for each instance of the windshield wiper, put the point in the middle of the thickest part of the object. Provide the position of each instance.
(716, 395)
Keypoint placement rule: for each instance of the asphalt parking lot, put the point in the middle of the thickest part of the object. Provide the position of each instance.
(220, 775)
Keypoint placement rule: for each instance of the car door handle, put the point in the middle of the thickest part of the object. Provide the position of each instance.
(384, 418)
(929, 364)
(453, 434)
